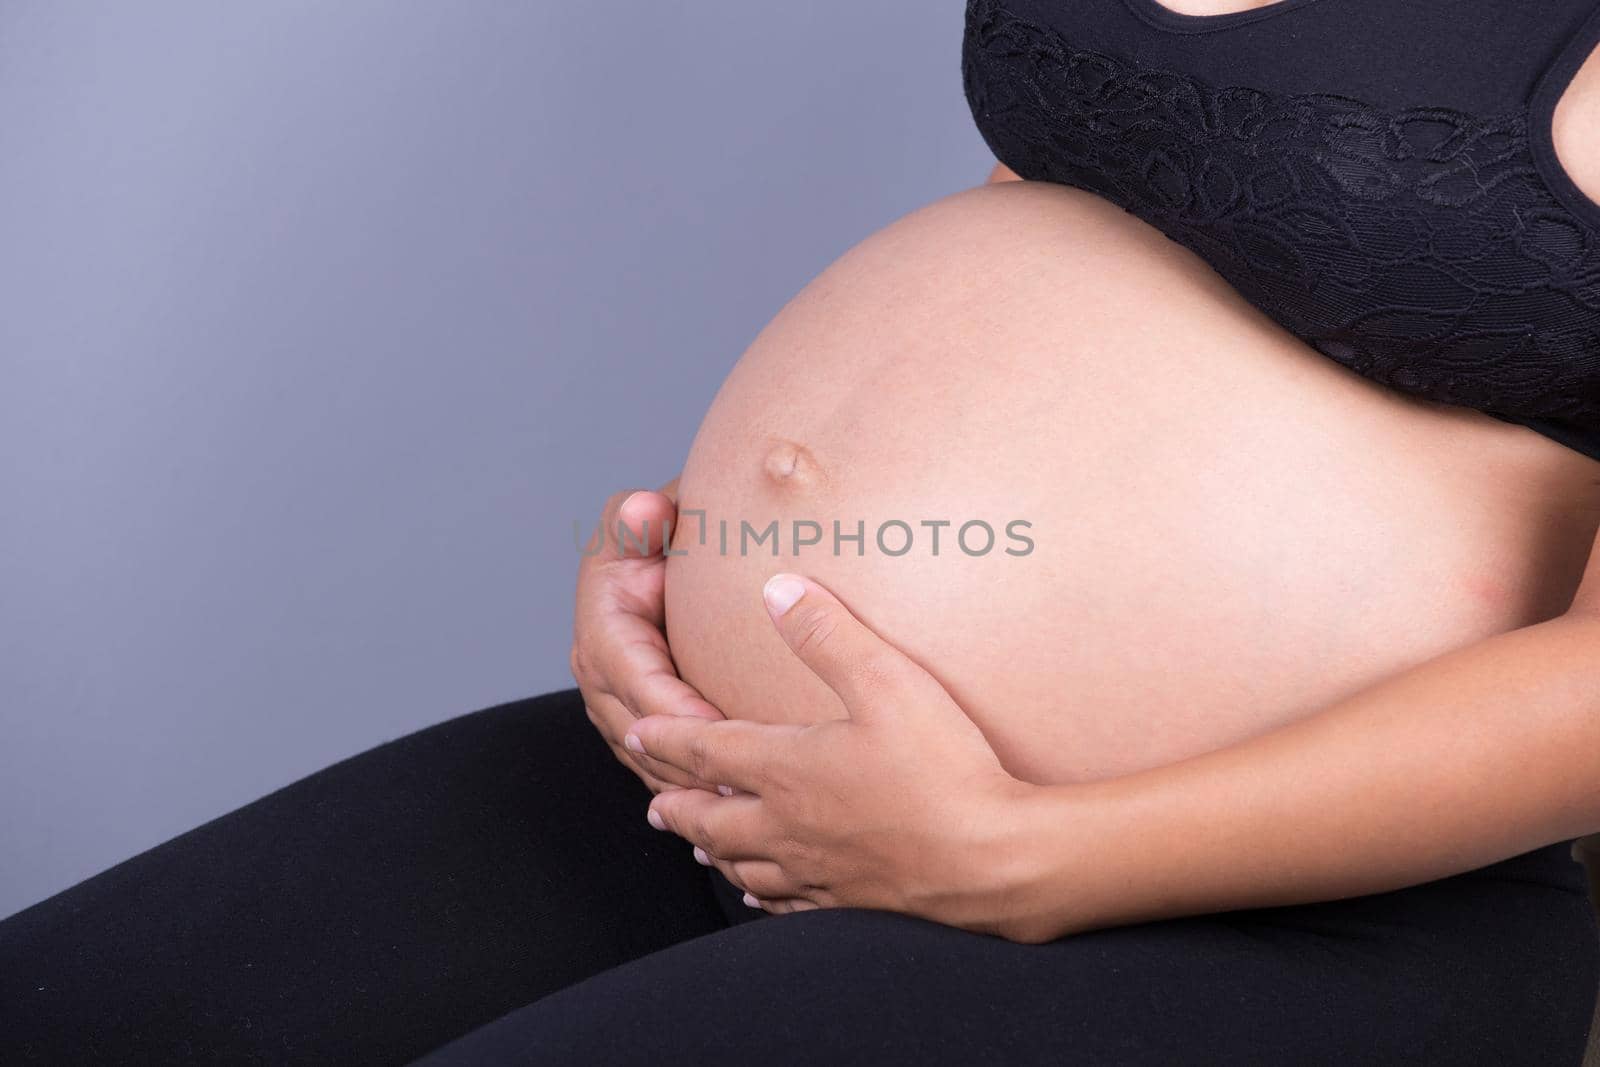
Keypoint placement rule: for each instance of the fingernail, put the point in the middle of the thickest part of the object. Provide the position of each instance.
(629, 498)
(725, 790)
(751, 902)
(655, 819)
(632, 743)
(781, 591)
(700, 857)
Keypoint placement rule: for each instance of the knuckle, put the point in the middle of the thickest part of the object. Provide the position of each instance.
(813, 626)
(701, 835)
(760, 880)
(699, 753)
(799, 811)
(793, 855)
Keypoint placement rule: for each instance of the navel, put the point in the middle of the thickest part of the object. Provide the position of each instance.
(791, 465)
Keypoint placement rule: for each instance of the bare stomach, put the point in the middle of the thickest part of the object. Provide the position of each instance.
(1200, 527)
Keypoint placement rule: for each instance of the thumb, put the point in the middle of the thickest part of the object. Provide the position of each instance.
(865, 671)
(635, 525)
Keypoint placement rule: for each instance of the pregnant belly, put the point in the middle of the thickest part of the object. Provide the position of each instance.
(1122, 516)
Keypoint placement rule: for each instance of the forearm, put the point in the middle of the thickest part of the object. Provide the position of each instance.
(1469, 758)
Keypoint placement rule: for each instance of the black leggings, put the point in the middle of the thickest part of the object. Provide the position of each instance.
(488, 891)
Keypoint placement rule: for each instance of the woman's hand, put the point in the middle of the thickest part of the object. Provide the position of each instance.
(619, 647)
(903, 806)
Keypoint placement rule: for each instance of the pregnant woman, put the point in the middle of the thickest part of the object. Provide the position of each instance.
(1142, 613)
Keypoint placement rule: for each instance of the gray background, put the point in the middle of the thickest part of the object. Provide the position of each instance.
(320, 322)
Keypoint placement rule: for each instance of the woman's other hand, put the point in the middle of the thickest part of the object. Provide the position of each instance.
(903, 806)
(619, 644)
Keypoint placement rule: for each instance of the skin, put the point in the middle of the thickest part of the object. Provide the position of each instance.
(619, 647)
(1480, 752)
(1422, 776)
(1225, 533)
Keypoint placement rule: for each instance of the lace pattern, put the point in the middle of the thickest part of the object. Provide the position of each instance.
(1420, 248)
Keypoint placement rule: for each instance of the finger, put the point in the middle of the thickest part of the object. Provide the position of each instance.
(655, 776)
(728, 828)
(618, 645)
(734, 752)
(673, 777)
(602, 545)
(783, 907)
(855, 663)
(762, 879)
(610, 589)
(634, 657)
(611, 719)
(625, 655)
(633, 524)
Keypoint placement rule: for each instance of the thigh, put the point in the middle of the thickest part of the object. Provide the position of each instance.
(1495, 972)
(365, 914)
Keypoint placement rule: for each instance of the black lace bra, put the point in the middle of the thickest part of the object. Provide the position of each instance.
(1377, 176)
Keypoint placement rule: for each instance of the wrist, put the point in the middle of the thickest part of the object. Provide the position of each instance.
(1079, 858)
(1057, 873)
